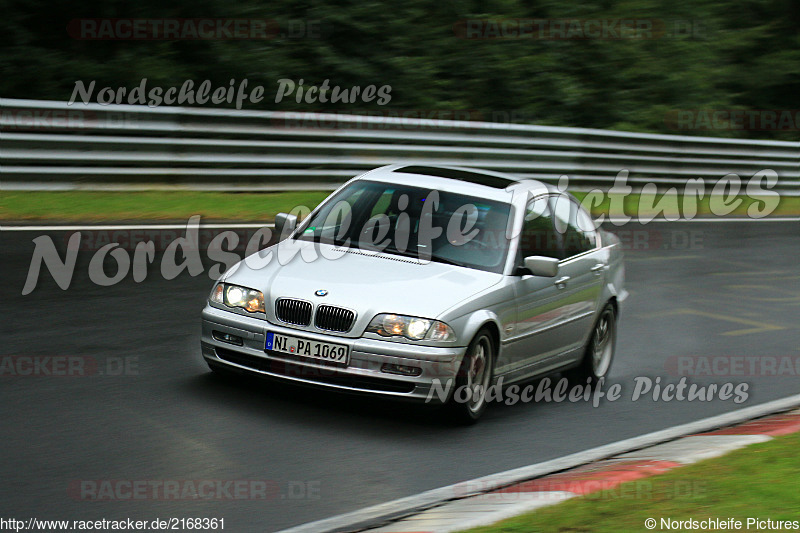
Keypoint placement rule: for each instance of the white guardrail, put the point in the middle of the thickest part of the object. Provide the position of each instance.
(47, 145)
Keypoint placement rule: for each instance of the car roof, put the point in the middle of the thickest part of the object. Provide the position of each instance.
(462, 180)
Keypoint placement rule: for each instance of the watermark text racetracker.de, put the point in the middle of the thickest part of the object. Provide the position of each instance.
(16, 119)
(95, 490)
(121, 524)
(191, 29)
(112, 262)
(578, 29)
(733, 119)
(73, 366)
(733, 365)
(589, 487)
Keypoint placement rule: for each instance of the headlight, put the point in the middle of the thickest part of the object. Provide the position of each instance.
(250, 300)
(410, 327)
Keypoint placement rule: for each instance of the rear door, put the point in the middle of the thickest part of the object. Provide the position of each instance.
(581, 270)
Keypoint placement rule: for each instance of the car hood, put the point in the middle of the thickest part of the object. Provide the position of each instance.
(366, 283)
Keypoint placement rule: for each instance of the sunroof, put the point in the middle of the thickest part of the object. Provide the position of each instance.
(463, 175)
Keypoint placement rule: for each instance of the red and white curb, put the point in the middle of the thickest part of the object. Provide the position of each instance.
(587, 479)
(498, 496)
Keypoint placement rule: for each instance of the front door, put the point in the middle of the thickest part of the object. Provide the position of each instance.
(540, 306)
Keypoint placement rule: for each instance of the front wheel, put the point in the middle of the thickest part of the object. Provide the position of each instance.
(468, 400)
(599, 352)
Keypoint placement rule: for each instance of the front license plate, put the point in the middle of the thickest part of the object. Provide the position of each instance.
(324, 351)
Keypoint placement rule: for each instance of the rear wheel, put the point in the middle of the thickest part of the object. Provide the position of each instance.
(599, 352)
(468, 401)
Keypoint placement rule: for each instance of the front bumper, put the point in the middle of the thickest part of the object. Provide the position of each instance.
(365, 372)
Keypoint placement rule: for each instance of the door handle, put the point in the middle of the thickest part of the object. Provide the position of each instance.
(598, 268)
(561, 282)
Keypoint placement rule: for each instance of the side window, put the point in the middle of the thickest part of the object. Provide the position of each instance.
(383, 202)
(585, 228)
(572, 226)
(538, 236)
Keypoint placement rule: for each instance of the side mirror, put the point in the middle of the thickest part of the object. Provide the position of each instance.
(285, 224)
(541, 266)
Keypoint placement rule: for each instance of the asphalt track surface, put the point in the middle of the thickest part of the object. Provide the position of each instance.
(717, 290)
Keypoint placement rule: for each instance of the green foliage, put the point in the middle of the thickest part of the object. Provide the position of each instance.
(741, 55)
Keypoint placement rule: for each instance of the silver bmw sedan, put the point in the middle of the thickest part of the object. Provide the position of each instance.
(418, 282)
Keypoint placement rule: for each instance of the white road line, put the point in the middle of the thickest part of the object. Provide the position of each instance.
(131, 226)
(381, 513)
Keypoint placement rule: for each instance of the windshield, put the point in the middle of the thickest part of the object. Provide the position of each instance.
(415, 222)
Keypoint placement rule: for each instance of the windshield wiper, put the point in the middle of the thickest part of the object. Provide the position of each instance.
(423, 257)
(395, 251)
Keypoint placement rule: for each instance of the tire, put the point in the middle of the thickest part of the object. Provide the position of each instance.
(599, 352)
(477, 368)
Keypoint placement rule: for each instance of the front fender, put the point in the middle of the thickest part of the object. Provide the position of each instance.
(467, 326)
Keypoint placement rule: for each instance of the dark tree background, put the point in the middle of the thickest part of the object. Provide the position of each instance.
(744, 54)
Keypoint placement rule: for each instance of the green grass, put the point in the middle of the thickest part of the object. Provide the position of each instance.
(177, 205)
(760, 481)
(642, 204)
(101, 206)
